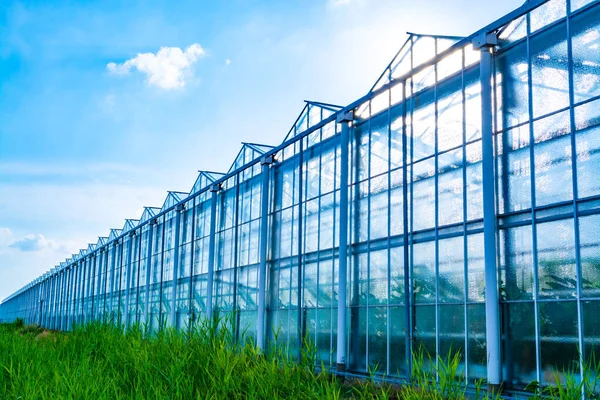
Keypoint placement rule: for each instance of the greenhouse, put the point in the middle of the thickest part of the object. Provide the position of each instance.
(456, 206)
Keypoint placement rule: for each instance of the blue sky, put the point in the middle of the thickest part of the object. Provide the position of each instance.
(85, 143)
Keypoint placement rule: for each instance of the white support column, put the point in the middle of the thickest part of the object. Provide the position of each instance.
(85, 277)
(76, 292)
(345, 119)
(94, 286)
(58, 301)
(97, 302)
(173, 316)
(128, 278)
(82, 294)
(52, 305)
(64, 297)
(150, 233)
(68, 298)
(211, 250)
(264, 233)
(486, 43)
(72, 295)
(89, 289)
(112, 280)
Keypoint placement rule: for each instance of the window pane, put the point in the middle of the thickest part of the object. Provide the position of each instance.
(516, 263)
(558, 337)
(424, 279)
(549, 70)
(585, 29)
(589, 232)
(451, 270)
(587, 139)
(556, 259)
(519, 344)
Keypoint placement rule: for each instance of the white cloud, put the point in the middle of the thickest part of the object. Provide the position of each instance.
(165, 69)
(336, 3)
(33, 243)
(5, 237)
(227, 61)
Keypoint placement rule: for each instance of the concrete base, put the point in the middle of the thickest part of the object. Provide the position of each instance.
(340, 369)
(494, 389)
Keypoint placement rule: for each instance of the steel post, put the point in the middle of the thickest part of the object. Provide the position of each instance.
(262, 273)
(211, 250)
(173, 316)
(128, 278)
(345, 119)
(485, 43)
(150, 233)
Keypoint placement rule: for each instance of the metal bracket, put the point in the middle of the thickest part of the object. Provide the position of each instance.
(215, 187)
(180, 207)
(485, 40)
(346, 116)
(267, 160)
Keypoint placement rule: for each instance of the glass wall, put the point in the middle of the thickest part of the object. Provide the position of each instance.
(416, 260)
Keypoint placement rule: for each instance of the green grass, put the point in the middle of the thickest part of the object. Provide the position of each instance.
(99, 361)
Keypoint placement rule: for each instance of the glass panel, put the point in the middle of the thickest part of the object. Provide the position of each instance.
(519, 344)
(558, 339)
(423, 49)
(396, 203)
(512, 81)
(547, 13)
(397, 342)
(591, 329)
(585, 31)
(553, 164)
(378, 339)
(450, 65)
(589, 232)
(514, 31)
(324, 334)
(358, 280)
(477, 341)
(424, 279)
(452, 331)
(556, 259)
(516, 263)
(475, 268)
(587, 139)
(549, 70)
(397, 275)
(451, 270)
(378, 279)
(425, 332)
(473, 112)
(514, 169)
(474, 183)
(358, 338)
(450, 122)
(423, 195)
(577, 4)
(450, 188)
(379, 144)
(423, 140)
(379, 207)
